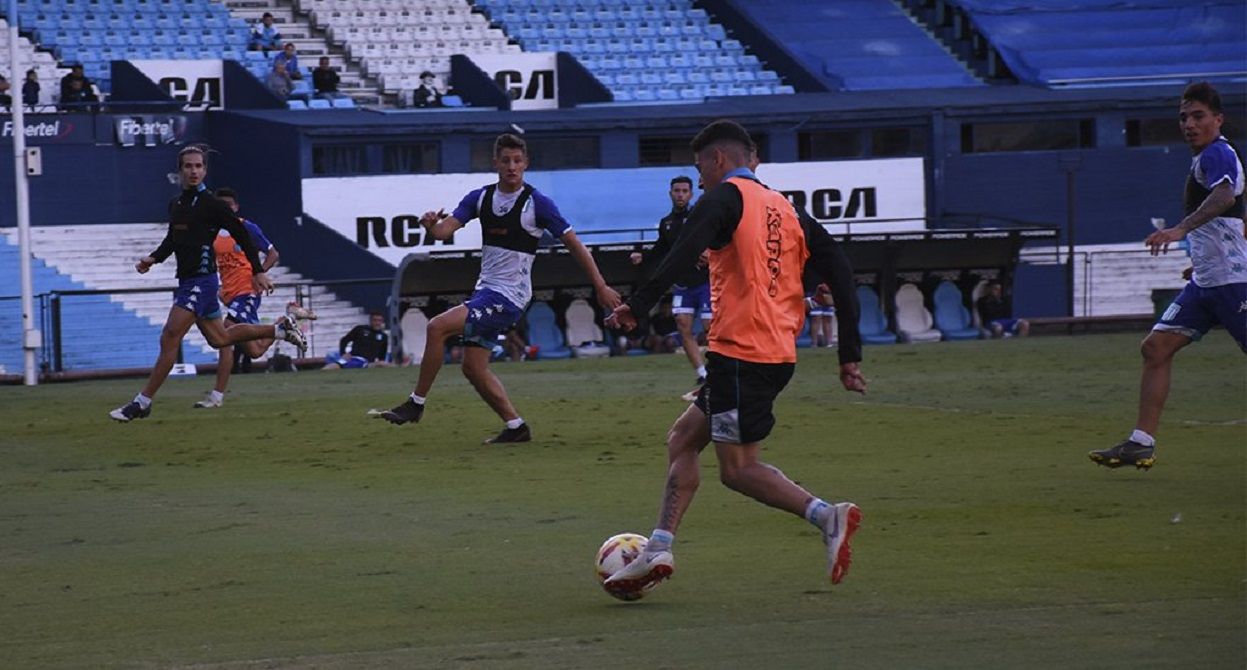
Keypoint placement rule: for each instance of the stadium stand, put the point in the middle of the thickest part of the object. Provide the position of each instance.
(872, 323)
(1101, 43)
(41, 61)
(649, 51)
(544, 332)
(94, 33)
(854, 45)
(951, 316)
(913, 320)
(393, 41)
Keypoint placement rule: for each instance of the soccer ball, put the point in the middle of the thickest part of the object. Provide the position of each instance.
(616, 552)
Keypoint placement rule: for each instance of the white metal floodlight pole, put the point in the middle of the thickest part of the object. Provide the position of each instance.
(30, 334)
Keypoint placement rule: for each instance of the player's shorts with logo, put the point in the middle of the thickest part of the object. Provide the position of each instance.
(1197, 309)
(691, 300)
(244, 308)
(490, 314)
(198, 295)
(738, 397)
(819, 309)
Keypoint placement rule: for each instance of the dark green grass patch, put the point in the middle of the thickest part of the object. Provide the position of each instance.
(286, 529)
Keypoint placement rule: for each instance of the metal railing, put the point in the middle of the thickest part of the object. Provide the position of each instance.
(1089, 272)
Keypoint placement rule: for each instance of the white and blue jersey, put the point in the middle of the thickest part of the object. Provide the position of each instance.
(1218, 249)
(512, 224)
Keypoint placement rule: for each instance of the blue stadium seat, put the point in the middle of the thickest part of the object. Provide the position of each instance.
(544, 332)
(348, 103)
(296, 105)
(319, 103)
(950, 313)
(872, 324)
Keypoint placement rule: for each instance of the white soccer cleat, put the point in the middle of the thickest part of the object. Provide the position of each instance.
(837, 534)
(647, 570)
(296, 311)
(288, 329)
(209, 402)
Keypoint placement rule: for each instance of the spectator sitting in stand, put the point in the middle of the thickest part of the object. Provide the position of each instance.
(325, 81)
(264, 37)
(291, 61)
(75, 72)
(78, 96)
(279, 81)
(6, 100)
(363, 347)
(30, 89)
(427, 94)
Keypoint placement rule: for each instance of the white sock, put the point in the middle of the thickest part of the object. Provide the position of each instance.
(143, 401)
(659, 540)
(217, 396)
(1142, 438)
(418, 399)
(701, 371)
(515, 423)
(817, 512)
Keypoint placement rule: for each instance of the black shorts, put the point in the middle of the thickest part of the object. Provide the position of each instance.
(738, 396)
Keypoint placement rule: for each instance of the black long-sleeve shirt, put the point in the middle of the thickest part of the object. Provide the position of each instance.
(195, 219)
(365, 342)
(712, 223)
(668, 233)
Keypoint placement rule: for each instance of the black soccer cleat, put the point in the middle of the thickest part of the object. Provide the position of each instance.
(508, 435)
(408, 412)
(1128, 452)
(130, 411)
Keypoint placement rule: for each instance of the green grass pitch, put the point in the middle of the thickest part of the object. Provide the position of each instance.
(288, 530)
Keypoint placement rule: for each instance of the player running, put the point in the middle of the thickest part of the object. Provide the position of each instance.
(195, 218)
(759, 248)
(513, 216)
(242, 301)
(691, 293)
(1217, 292)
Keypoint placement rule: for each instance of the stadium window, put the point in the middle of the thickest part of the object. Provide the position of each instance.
(482, 155)
(825, 144)
(1046, 135)
(655, 151)
(544, 153)
(563, 153)
(409, 158)
(339, 159)
(898, 142)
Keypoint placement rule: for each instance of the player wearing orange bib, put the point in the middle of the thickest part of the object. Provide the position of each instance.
(241, 300)
(759, 247)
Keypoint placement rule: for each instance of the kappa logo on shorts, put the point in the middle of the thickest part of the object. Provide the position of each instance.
(1171, 312)
(725, 426)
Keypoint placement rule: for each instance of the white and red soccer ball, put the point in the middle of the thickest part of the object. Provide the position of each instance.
(616, 552)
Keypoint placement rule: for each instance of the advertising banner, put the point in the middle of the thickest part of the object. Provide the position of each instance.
(381, 214)
(43, 129)
(529, 78)
(198, 83)
(147, 130)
